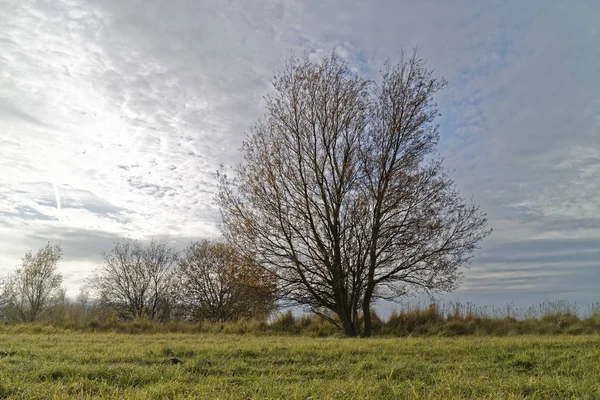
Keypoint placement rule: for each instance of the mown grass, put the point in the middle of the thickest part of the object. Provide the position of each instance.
(58, 364)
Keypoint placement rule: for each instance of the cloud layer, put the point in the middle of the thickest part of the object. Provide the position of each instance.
(127, 109)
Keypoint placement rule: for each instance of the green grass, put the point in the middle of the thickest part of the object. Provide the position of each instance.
(55, 364)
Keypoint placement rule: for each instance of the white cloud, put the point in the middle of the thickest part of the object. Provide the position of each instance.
(129, 108)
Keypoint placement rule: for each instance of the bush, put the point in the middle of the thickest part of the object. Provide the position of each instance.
(284, 323)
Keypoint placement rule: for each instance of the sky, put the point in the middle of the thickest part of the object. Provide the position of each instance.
(116, 114)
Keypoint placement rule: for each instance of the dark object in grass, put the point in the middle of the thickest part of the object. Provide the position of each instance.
(175, 361)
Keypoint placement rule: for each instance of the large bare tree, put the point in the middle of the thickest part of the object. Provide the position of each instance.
(136, 280)
(218, 285)
(341, 195)
(36, 284)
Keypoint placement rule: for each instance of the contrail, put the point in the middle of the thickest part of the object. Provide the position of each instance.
(57, 198)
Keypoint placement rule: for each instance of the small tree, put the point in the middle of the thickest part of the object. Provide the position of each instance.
(341, 194)
(36, 285)
(136, 280)
(5, 295)
(217, 284)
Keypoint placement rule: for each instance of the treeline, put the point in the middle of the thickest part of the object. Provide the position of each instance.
(207, 282)
(209, 288)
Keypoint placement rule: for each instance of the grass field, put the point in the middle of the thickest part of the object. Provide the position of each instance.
(106, 365)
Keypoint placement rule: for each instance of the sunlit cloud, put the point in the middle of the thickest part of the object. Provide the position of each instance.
(115, 117)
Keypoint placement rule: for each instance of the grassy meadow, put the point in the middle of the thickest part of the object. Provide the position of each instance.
(53, 363)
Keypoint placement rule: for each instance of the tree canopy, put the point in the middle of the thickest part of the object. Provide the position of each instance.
(216, 284)
(341, 194)
(36, 284)
(136, 279)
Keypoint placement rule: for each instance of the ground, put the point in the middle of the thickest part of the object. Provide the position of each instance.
(55, 364)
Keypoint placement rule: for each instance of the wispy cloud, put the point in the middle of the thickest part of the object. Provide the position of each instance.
(130, 108)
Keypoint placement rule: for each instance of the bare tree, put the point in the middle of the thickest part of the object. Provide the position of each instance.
(218, 285)
(6, 295)
(36, 285)
(136, 280)
(340, 193)
(5, 290)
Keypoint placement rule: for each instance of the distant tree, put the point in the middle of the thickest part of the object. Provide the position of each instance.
(81, 308)
(5, 295)
(36, 284)
(136, 280)
(219, 285)
(5, 290)
(341, 195)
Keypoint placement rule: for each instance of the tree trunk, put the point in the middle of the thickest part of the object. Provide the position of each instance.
(350, 328)
(367, 314)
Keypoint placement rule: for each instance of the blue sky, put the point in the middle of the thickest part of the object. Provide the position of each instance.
(123, 111)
